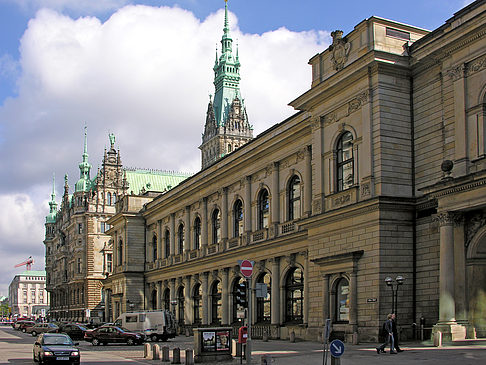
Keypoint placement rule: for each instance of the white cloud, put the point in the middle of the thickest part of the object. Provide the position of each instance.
(9, 67)
(76, 6)
(145, 75)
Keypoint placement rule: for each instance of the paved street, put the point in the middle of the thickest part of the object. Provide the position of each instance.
(16, 348)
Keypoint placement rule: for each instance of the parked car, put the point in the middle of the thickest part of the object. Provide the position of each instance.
(42, 328)
(74, 330)
(113, 334)
(50, 348)
(23, 325)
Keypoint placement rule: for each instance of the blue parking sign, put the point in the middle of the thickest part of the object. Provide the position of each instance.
(337, 348)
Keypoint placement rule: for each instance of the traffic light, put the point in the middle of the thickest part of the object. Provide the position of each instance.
(241, 294)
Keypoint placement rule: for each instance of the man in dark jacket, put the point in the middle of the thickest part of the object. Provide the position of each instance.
(389, 337)
(395, 333)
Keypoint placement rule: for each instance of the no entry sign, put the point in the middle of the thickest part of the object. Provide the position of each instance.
(246, 268)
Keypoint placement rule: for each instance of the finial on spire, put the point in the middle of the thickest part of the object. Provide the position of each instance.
(226, 27)
(85, 138)
(112, 139)
(53, 195)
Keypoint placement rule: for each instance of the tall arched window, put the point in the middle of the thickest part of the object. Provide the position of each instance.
(180, 238)
(216, 224)
(238, 218)
(167, 243)
(108, 198)
(166, 299)
(154, 247)
(345, 161)
(216, 314)
(236, 307)
(114, 199)
(264, 309)
(263, 209)
(197, 233)
(197, 302)
(342, 301)
(294, 295)
(180, 304)
(294, 198)
(120, 252)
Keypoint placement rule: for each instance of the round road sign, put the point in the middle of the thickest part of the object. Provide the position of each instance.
(246, 268)
(337, 348)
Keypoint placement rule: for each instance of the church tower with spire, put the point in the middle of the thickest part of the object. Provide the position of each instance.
(227, 126)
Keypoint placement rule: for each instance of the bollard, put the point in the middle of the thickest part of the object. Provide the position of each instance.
(165, 354)
(292, 336)
(147, 353)
(265, 336)
(176, 356)
(438, 339)
(155, 352)
(189, 357)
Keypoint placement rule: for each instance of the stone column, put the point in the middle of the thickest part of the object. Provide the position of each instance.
(275, 291)
(275, 212)
(308, 181)
(172, 295)
(224, 214)
(224, 297)
(188, 316)
(159, 294)
(247, 212)
(204, 224)
(205, 298)
(457, 73)
(187, 229)
(317, 158)
(305, 309)
(325, 298)
(447, 310)
(353, 301)
(460, 273)
(172, 234)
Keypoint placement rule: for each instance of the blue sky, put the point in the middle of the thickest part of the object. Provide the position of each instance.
(145, 74)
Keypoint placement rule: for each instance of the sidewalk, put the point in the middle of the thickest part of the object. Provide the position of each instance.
(304, 353)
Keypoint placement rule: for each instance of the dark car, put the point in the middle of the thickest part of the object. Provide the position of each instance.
(23, 325)
(41, 328)
(55, 348)
(73, 330)
(113, 334)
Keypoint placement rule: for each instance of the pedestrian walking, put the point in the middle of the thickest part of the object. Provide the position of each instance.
(388, 326)
(395, 333)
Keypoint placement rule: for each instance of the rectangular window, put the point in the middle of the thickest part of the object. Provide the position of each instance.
(25, 296)
(400, 34)
(79, 266)
(102, 227)
(80, 228)
(131, 319)
(109, 262)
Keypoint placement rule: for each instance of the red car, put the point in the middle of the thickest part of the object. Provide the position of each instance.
(113, 334)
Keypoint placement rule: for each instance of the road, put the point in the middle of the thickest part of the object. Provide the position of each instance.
(16, 348)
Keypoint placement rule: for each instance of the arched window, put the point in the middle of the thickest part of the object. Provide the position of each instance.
(114, 199)
(197, 233)
(108, 198)
(294, 198)
(166, 299)
(167, 243)
(294, 295)
(345, 162)
(154, 247)
(216, 303)
(180, 304)
(120, 252)
(264, 309)
(180, 238)
(197, 302)
(216, 224)
(342, 301)
(263, 209)
(238, 218)
(236, 307)
(154, 299)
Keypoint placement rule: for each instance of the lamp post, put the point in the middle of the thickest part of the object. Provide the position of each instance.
(394, 287)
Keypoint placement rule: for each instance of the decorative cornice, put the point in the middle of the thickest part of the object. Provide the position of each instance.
(457, 72)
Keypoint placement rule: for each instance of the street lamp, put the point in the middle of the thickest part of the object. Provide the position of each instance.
(394, 287)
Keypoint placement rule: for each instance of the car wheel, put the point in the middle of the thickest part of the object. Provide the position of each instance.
(23, 330)
(34, 333)
(95, 342)
(154, 338)
(130, 342)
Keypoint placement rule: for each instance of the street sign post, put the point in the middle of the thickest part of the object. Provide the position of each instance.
(246, 268)
(327, 333)
(337, 349)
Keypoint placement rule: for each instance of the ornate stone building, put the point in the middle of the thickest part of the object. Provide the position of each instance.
(78, 252)
(380, 173)
(27, 295)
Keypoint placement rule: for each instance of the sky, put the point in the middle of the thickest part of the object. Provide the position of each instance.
(143, 71)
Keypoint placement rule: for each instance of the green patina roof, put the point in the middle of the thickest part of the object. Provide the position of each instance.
(33, 273)
(153, 180)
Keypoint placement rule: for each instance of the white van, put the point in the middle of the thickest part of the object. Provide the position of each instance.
(156, 325)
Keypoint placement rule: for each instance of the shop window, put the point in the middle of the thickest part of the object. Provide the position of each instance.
(342, 301)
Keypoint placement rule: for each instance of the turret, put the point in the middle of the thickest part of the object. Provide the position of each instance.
(83, 184)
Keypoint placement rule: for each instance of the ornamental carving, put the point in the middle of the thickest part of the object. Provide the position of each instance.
(365, 189)
(317, 206)
(339, 48)
(476, 66)
(449, 218)
(342, 199)
(358, 102)
(316, 122)
(474, 224)
(456, 72)
(330, 118)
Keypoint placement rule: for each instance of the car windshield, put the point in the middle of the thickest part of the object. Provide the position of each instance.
(123, 329)
(57, 340)
(82, 328)
(51, 325)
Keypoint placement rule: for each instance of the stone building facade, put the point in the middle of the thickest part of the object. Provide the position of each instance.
(380, 173)
(27, 295)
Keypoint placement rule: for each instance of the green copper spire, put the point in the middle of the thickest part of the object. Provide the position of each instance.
(51, 217)
(226, 76)
(84, 167)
